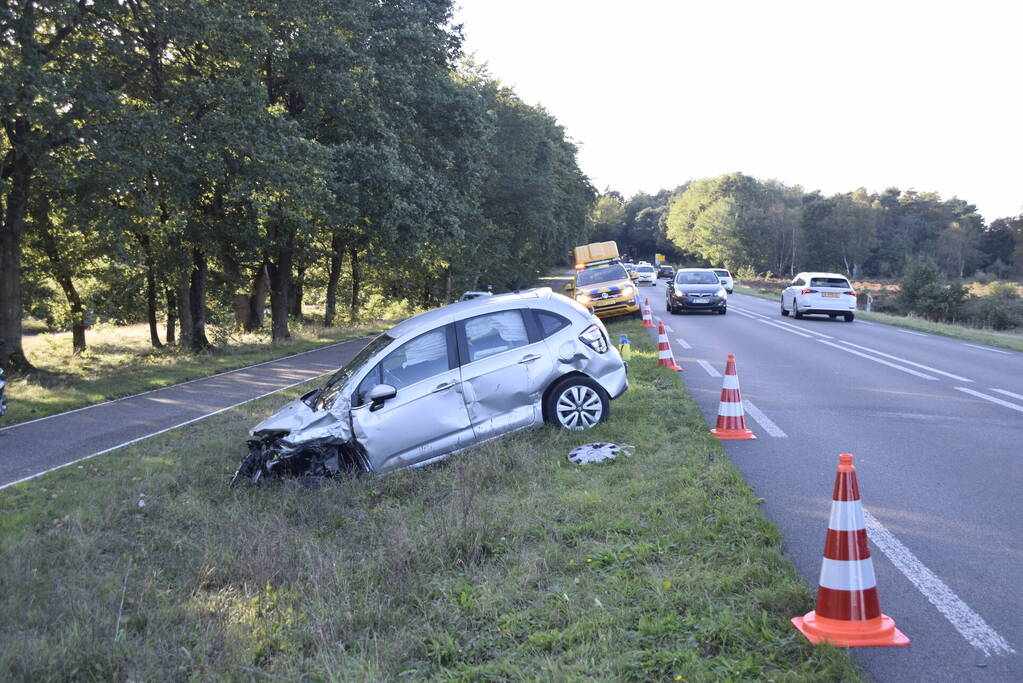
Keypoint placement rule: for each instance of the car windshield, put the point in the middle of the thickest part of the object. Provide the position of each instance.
(337, 382)
(829, 282)
(697, 277)
(646, 269)
(591, 276)
(722, 273)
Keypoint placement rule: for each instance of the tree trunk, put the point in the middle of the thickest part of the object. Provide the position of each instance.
(185, 307)
(280, 281)
(172, 318)
(18, 175)
(353, 259)
(147, 257)
(336, 256)
(295, 293)
(197, 293)
(257, 300)
(447, 285)
(60, 269)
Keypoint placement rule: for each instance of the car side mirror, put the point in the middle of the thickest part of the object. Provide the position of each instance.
(569, 286)
(380, 394)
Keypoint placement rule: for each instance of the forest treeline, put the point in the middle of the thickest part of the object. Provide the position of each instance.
(767, 227)
(169, 162)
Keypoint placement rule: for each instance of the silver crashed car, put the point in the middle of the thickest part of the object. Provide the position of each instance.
(443, 381)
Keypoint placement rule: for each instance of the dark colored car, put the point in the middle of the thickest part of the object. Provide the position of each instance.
(697, 289)
(666, 271)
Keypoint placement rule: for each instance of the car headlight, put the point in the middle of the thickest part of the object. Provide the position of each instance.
(594, 337)
(627, 290)
(720, 292)
(583, 298)
(679, 292)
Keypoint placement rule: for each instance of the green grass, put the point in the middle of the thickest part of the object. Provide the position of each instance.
(119, 361)
(504, 562)
(1003, 340)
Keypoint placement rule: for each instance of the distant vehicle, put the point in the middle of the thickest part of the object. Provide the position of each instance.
(603, 282)
(696, 289)
(726, 278)
(444, 381)
(819, 293)
(646, 273)
(467, 296)
(666, 271)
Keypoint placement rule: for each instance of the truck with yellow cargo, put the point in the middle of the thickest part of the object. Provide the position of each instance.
(601, 281)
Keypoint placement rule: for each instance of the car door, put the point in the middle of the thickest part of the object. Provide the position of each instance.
(505, 368)
(426, 417)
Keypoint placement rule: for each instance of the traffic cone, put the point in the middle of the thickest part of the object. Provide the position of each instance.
(731, 422)
(648, 318)
(848, 612)
(625, 347)
(665, 358)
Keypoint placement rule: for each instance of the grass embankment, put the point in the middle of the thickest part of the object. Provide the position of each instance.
(1003, 340)
(120, 361)
(505, 562)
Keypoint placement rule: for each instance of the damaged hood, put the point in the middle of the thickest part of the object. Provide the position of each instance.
(304, 425)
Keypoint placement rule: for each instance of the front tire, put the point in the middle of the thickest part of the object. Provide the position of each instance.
(576, 403)
(722, 311)
(783, 311)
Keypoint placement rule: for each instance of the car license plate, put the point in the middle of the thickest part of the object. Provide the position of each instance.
(830, 295)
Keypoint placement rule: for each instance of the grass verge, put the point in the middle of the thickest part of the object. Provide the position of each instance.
(120, 362)
(1002, 340)
(504, 562)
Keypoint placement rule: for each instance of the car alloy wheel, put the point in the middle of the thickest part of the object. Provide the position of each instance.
(577, 403)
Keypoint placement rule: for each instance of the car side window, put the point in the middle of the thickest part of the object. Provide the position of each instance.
(417, 359)
(550, 322)
(798, 282)
(494, 333)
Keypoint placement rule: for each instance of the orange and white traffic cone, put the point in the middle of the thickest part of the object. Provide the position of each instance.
(648, 317)
(848, 612)
(731, 422)
(665, 358)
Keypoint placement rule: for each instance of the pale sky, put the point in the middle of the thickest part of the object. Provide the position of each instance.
(824, 94)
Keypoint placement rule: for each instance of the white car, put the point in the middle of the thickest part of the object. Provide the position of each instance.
(827, 294)
(647, 274)
(725, 277)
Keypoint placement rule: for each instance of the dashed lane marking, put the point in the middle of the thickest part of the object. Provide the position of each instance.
(1008, 393)
(683, 343)
(993, 399)
(909, 362)
(784, 329)
(709, 368)
(745, 314)
(878, 360)
(988, 348)
(918, 334)
(803, 329)
(748, 312)
(764, 421)
(968, 623)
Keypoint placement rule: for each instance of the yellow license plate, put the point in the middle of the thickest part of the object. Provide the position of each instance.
(830, 295)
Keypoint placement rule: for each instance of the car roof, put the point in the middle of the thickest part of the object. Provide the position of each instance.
(823, 275)
(466, 309)
(695, 270)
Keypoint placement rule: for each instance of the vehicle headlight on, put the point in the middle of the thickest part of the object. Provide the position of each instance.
(679, 292)
(721, 292)
(628, 290)
(594, 337)
(583, 298)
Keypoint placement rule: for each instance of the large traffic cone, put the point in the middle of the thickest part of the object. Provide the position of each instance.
(665, 358)
(848, 612)
(648, 317)
(731, 422)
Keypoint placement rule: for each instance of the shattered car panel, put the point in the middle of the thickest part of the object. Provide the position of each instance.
(438, 383)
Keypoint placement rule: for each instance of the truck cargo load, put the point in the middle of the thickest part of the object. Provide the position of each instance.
(597, 251)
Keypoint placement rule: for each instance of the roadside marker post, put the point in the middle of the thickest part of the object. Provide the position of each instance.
(848, 611)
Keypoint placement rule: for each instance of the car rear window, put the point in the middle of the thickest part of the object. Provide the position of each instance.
(829, 282)
(722, 273)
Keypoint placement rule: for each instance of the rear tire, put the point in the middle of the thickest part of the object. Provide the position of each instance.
(849, 317)
(576, 403)
(795, 310)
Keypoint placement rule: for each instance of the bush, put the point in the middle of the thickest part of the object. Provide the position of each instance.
(921, 275)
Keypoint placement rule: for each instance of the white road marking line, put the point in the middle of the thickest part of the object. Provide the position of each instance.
(919, 334)
(993, 399)
(156, 433)
(878, 360)
(784, 329)
(1007, 393)
(986, 348)
(764, 421)
(683, 343)
(865, 322)
(746, 310)
(970, 625)
(744, 313)
(804, 329)
(909, 362)
(709, 368)
(179, 384)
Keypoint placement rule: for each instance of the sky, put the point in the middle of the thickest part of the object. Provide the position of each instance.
(827, 95)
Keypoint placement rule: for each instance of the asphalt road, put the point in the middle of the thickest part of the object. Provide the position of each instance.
(935, 425)
(37, 446)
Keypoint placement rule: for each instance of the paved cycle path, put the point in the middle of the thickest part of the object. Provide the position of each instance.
(38, 446)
